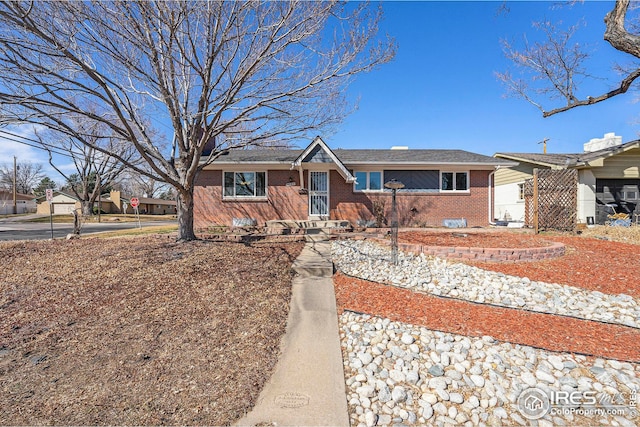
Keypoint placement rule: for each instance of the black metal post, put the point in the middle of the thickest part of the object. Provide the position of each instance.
(394, 228)
(394, 186)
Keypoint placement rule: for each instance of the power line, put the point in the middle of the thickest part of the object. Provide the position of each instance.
(38, 144)
(49, 147)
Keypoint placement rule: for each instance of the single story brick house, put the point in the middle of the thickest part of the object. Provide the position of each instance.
(608, 176)
(318, 183)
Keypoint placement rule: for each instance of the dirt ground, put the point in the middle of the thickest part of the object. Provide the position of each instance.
(138, 331)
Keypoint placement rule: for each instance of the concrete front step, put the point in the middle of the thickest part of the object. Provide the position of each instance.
(320, 230)
(308, 224)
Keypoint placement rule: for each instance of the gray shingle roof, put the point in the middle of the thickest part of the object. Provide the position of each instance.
(568, 158)
(413, 156)
(359, 156)
(545, 159)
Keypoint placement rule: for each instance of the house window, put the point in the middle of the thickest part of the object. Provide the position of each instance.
(521, 191)
(415, 180)
(454, 181)
(368, 181)
(245, 184)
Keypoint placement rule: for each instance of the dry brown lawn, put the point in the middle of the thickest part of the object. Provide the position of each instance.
(616, 234)
(138, 331)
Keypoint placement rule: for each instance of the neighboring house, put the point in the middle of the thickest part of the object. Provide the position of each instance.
(115, 201)
(608, 176)
(112, 203)
(61, 203)
(25, 203)
(341, 184)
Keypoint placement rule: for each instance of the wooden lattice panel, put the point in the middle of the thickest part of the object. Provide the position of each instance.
(557, 199)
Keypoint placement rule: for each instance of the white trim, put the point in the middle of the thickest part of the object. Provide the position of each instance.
(368, 190)
(454, 172)
(246, 198)
(520, 192)
(315, 216)
(342, 169)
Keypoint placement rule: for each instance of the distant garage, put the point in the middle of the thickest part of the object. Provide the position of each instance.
(62, 204)
(63, 208)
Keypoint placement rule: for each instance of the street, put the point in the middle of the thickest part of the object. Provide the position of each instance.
(41, 230)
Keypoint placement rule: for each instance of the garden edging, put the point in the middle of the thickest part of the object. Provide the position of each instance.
(554, 250)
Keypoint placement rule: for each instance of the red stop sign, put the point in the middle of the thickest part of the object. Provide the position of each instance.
(134, 202)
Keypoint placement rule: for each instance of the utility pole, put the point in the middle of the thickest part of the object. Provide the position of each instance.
(544, 145)
(15, 192)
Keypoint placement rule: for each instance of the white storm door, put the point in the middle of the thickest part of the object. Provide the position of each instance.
(318, 193)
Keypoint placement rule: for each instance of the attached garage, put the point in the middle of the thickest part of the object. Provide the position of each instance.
(616, 195)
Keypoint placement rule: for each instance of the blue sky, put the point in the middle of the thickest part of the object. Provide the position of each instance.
(441, 91)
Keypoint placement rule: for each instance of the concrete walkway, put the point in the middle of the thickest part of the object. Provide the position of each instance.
(307, 387)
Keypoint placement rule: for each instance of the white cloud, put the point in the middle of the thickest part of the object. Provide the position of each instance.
(18, 141)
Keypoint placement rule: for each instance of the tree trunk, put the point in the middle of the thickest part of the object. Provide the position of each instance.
(86, 208)
(76, 223)
(185, 216)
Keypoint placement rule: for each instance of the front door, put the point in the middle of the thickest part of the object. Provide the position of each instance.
(318, 194)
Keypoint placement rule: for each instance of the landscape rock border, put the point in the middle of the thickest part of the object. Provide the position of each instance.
(554, 250)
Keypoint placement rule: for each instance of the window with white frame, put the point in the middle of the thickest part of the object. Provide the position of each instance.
(245, 184)
(368, 181)
(521, 191)
(454, 181)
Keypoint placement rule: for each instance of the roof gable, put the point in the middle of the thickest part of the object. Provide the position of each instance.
(319, 152)
(317, 155)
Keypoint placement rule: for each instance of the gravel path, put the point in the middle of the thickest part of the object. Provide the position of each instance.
(401, 374)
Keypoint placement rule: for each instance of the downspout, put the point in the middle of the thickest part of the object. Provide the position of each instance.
(489, 190)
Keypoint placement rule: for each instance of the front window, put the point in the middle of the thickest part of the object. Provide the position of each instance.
(454, 181)
(368, 181)
(245, 184)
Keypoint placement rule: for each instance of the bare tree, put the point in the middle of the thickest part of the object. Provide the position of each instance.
(28, 175)
(555, 68)
(85, 144)
(235, 73)
(136, 184)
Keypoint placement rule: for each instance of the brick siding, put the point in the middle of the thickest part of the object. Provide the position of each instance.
(285, 202)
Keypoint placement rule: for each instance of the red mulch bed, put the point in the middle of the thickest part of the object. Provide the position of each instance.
(606, 266)
(473, 239)
(561, 333)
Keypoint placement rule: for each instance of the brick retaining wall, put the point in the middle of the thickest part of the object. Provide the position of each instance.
(485, 254)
